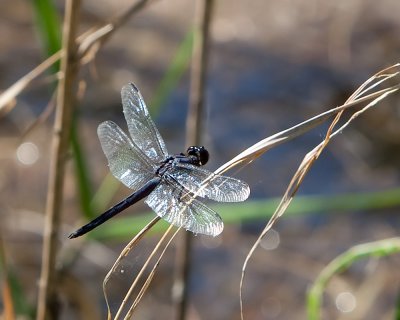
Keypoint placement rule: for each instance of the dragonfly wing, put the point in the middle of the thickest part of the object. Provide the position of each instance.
(126, 161)
(142, 129)
(206, 184)
(176, 206)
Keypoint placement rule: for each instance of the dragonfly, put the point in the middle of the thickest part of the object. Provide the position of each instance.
(171, 183)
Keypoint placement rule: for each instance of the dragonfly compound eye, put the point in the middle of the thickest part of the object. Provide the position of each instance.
(200, 153)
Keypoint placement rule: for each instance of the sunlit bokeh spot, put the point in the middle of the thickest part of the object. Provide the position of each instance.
(346, 302)
(271, 240)
(27, 153)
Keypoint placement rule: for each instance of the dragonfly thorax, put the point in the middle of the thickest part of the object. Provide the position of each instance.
(197, 156)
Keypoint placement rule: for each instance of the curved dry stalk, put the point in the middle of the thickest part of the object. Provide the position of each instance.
(140, 274)
(150, 276)
(259, 148)
(123, 254)
(313, 155)
(131, 245)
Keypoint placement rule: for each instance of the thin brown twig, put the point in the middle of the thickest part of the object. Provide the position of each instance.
(12, 92)
(91, 42)
(89, 45)
(48, 110)
(48, 302)
(203, 17)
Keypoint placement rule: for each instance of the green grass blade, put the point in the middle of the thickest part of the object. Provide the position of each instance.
(104, 194)
(48, 25)
(11, 288)
(174, 73)
(81, 173)
(22, 307)
(397, 309)
(380, 248)
(126, 227)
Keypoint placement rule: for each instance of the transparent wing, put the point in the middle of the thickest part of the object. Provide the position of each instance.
(141, 128)
(126, 161)
(176, 206)
(206, 184)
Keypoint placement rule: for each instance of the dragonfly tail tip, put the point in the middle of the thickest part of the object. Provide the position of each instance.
(72, 235)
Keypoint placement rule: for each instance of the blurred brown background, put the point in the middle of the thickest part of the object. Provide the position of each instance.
(272, 65)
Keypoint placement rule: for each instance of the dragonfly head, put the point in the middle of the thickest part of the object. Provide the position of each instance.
(199, 154)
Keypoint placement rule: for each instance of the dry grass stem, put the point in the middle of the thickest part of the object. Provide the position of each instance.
(139, 276)
(313, 155)
(259, 148)
(123, 254)
(142, 271)
(88, 45)
(151, 275)
(7, 97)
(203, 17)
(91, 42)
(202, 22)
(42, 117)
(47, 301)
